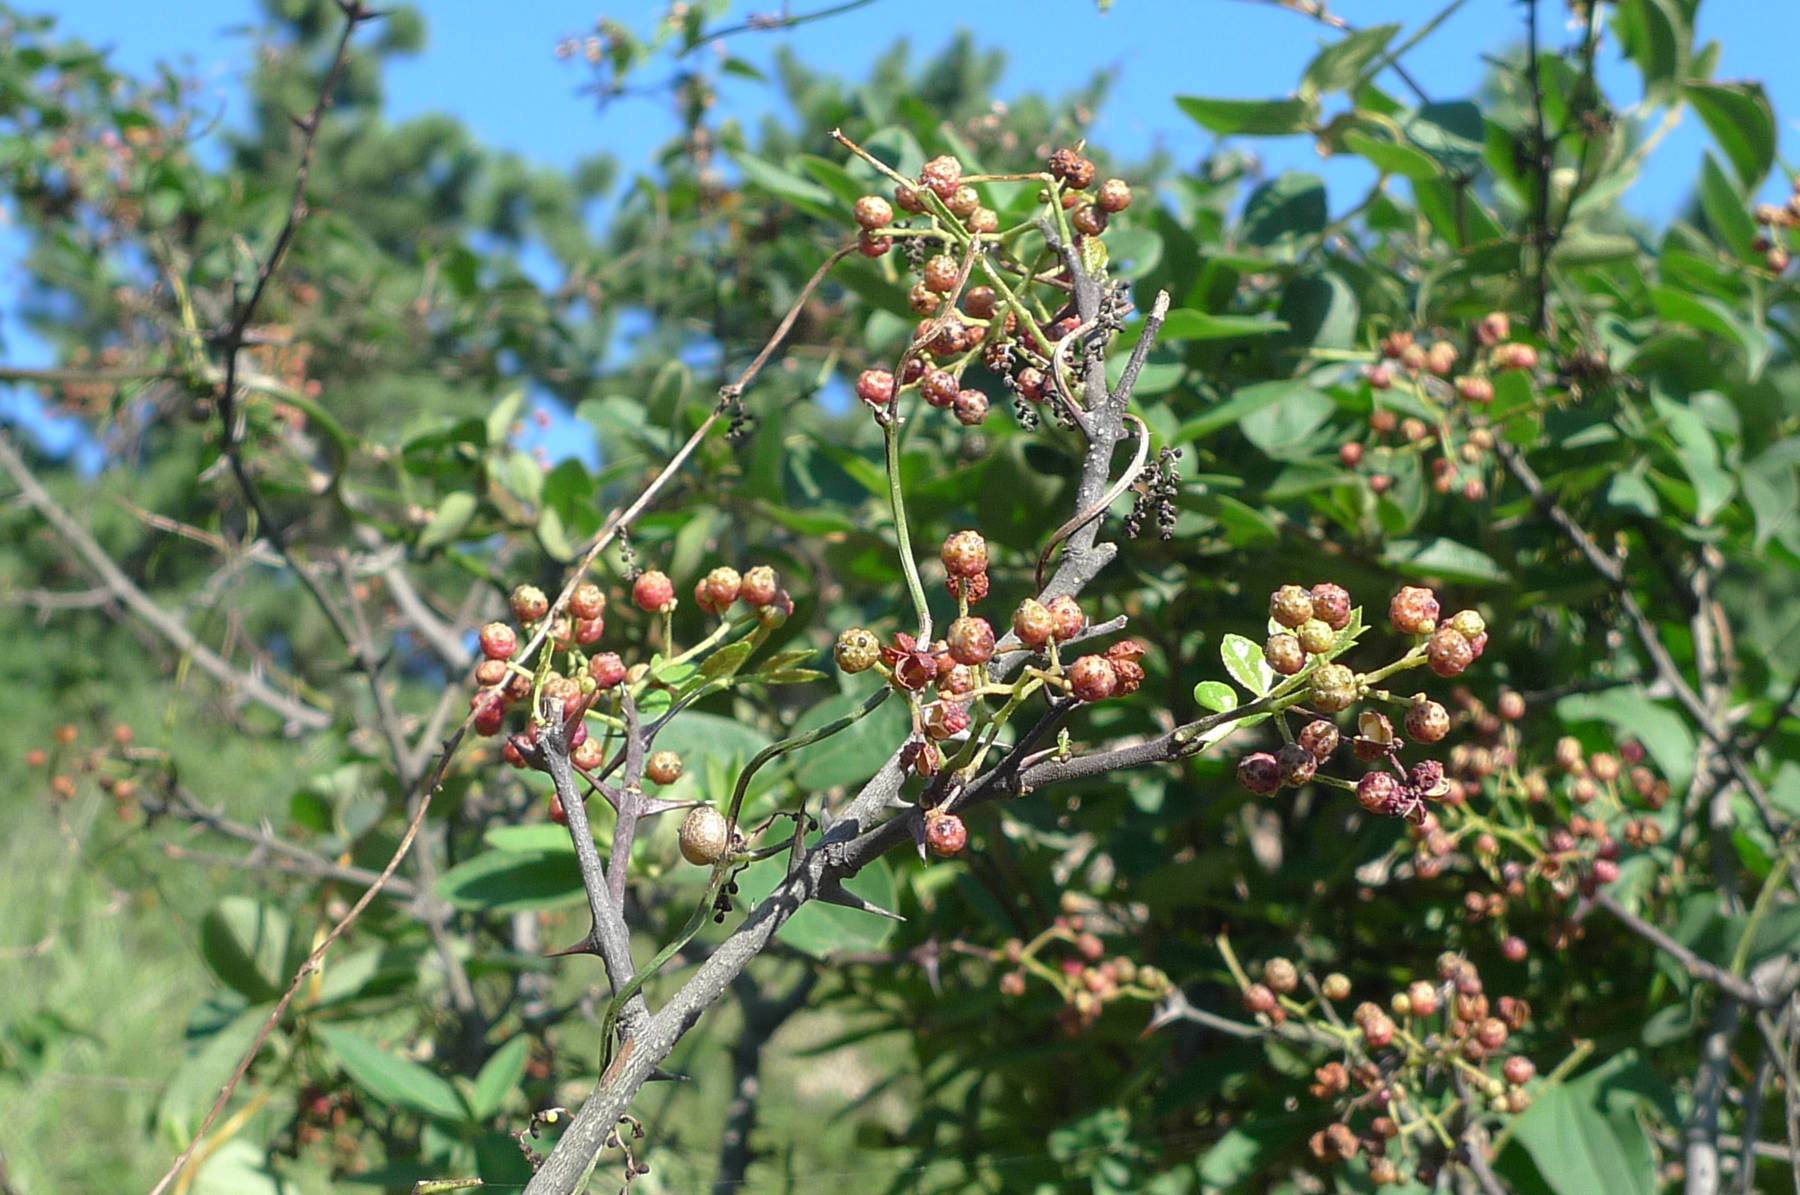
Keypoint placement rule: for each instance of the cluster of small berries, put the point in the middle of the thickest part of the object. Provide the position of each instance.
(582, 679)
(111, 763)
(1455, 401)
(1777, 222)
(1438, 1043)
(1308, 625)
(954, 667)
(1085, 979)
(988, 325)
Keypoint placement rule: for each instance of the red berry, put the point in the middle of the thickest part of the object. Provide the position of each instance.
(965, 554)
(875, 387)
(870, 245)
(558, 814)
(490, 713)
(589, 630)
(1032, 623)
(1350, 455)
(908, 200)
(1297, 764)
(941, 175)
(922, 300)
(1427, 721)
(1518, 1069)
(1091, 678)
(1259, 999)
(970, 589)
(1259, 772)
(1089, 220)
(1448, 652)
(963, 201)
(947, 720)
(1514, 949)
(588, 601)
(718, 590)
(1067, 618)
(971, 641)
(1413, 611)
(607, 669)
(1114, 195)
(970, 408)
(979, 302)
(1319, 737)
(760, 586)
(1284, 654)
(1378, 792)
(1493, 328)
(653, 592)
(529, 603)
(1331, 605)
(941, 272)
(498, 641)
(945, 834)
(872, 212)
(1475, 390)
(663, 768)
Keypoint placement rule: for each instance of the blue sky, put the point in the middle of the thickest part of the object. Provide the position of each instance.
(493, 67)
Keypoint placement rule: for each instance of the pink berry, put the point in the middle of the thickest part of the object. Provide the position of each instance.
(653, 592)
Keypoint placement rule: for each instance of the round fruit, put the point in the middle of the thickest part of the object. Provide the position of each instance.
(588, 601)
(965, 554)
(875, 387)
(1259, 772)
(1066, 617)
(498, 641)
(1414, 611)
(704, 836)
(945, 834)
(760, 586)
(663, 768)
(857, 649)
(971, 641)
(1091, 678)
(529, 603)
(653, 592)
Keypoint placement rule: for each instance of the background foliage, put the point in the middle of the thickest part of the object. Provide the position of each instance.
(1625, 519)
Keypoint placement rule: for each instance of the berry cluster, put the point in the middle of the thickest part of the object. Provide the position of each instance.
(983, 294)
(947, 680)
(1440, 408)
(586, 684)
(1084, 978)
(112, 763)
(1411, 1077)
(1309, 628)
(1777, 223)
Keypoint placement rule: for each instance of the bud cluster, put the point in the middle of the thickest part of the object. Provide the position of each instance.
(1072, 958)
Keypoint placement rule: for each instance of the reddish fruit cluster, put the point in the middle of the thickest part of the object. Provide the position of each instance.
(1311, 619)
(1085, 979)
(1438, 1042)
(1776, 223)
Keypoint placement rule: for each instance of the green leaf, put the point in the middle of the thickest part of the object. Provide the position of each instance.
(1655, 35)
(726, 660)
(1243, 659)
(1742, 122)
(819, 929)
(808, 196)
(1215, 695)
(513, 881)
(1288, 206)
(1726, 207)
(244, 944)
(1342, 65)
(195, 1084)
(238, 1167)
(1390, 158)
(1187, 324)
(1586, 1136)
(853, 754)
(1698, 453)
(396, 1081)
(1258, 118)
(1281, 428)
(500, 1075)
(1452, 132)
(1320, 311)
(1244, 401)
(500, 419)
(449, 520)
(1443, 558)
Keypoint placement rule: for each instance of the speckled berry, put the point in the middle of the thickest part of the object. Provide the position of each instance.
(1091, 678)
(1427, 721)
(588, 601)
(971, 641)
(1413, 611)
(498, 641)
(941, 272)
(942, 175)
(663, 768)
(1469, 624)
(1297, 764)
(945, 834)
(1319, 737)
(1114, 195)
(759, 586)
(1066, 616)
(705, 836)
(970, 407)
(1088, 219)
(857, 649)
(653, 592)
(1316, 636)
(965, 554)
(1333, 688)
(529, 604)
(1283, 654)
(1290, 606)
(875, 387)
(1331, 605)
(1260, 772)
(1032, 623)
(872, 212)
(1448, 653)
(1378, 792)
